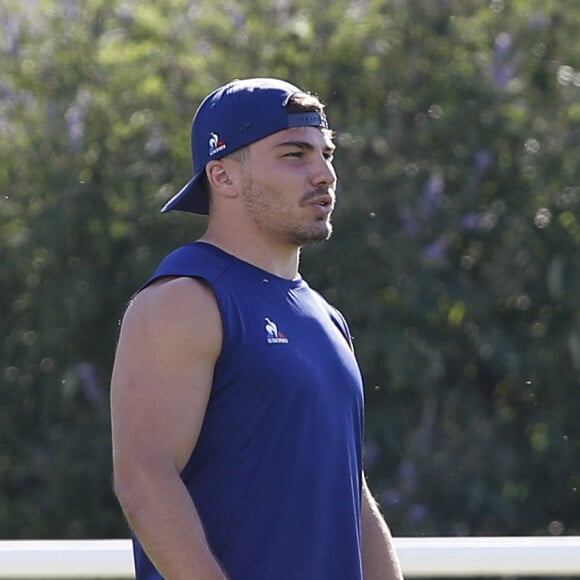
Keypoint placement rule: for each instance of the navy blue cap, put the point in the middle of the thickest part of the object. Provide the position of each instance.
(232, 117)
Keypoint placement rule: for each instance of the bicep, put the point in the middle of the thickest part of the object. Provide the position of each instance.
(169, 342)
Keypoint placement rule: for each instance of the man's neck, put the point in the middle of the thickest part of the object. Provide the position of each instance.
(280, 260)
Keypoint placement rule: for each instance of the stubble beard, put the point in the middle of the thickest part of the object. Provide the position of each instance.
(294, 233)
(303, 236)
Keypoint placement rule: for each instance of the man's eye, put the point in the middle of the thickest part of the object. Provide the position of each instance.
(295, 154)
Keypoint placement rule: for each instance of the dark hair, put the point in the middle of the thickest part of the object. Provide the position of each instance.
(307, 103)
(304, 103)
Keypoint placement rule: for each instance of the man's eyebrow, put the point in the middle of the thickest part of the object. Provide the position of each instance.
(306, 145)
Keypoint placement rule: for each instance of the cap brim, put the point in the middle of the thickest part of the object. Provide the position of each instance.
(192, 197)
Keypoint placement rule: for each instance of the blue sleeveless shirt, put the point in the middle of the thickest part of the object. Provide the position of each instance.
(276, 472)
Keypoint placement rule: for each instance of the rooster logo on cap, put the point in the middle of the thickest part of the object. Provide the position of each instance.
(215, 144)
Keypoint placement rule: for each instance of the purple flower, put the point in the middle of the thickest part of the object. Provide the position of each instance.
(75, 120)
(436, 250)
(470, 221)
(125, 15)
(503, 74)
(75, 124)
(7, 96)
(408, 475)
(483, 160)
(432, 194)
(237, 17)
(71, 9)
(503, 44)
(90, 385)
(539, 21)
(502, 71)
(156, 142)
(391, 498)
(11, 26)
(417, 513)
(410, 223)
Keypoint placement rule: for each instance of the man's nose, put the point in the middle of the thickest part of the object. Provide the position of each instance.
(323, 172)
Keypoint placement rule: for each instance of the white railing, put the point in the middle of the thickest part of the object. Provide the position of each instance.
(420, 558)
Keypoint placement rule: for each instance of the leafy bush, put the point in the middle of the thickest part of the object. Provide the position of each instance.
(455, 256)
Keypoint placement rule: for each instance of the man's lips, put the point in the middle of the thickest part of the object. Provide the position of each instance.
(322, 200)
(324, 204)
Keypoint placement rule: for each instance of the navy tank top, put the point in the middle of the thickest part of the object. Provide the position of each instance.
(276, 472)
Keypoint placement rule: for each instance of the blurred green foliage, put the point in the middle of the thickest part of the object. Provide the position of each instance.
(455, 256)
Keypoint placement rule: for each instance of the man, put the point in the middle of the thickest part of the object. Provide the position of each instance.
(237, 403)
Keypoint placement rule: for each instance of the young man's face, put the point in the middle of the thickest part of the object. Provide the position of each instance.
(288, 185)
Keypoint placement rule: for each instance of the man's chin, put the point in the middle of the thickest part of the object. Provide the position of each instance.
(317, 235)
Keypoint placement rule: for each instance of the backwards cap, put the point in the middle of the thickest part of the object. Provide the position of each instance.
(233, 116)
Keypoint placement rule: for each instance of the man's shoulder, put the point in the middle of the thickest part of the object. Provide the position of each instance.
(175, 293)
(197, 259)
(176, 309)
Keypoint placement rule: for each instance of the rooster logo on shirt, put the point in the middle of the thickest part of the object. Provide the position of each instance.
(273, 335)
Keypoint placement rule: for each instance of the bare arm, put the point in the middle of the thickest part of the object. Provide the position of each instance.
(380, 561)
(170, 339)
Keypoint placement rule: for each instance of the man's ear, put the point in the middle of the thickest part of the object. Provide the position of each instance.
(218, 176)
